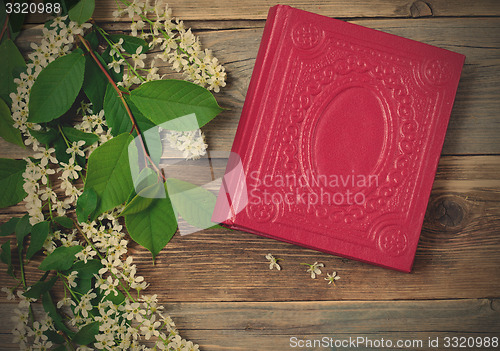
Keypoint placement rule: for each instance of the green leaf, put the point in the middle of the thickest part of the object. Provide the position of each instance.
(56, 87)
(108, 173)
(136, 205)
(9, 227)
(75, 135)
(50, 308)
(64, 221)
(166, 100)
(87, 334)
(91, 37)
(153, 228)
(12, 62)
(83, 285)
(39, 233)
(82, 11)
(145, 192)
(60, 348)
(40, 288)
(7, 130)
(86, 204)
(16, 20)
(45, 137)
(54, 337)
(153, 141)
(95, 82)
(193, 203)
(141, 120)
(150, 132)
(60, 259)
(3, 17)
(117, 117)
(85, 270)
(130, 43)
(6, 257)
(116, 114)
(23, 228)
(11, 181)
(116, 299)
(65, 5)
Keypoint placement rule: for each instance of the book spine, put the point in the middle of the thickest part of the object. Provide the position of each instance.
(253, 98)
(253, 102)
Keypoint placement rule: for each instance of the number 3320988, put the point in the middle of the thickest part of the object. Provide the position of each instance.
(25, 7)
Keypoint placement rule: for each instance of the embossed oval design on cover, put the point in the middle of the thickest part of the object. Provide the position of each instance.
(350, 135)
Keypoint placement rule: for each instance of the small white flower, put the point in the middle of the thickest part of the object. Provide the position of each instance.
(85, 305)
(66, 301)
(332, 278)
(71, 279)
(134, 311)
(138, 57)
(47, 194)
(45, 156)
(109, 264)
(45, 172)
(70, 169)
(116, 49)
(76, 148)
(314, 268)
(86, 254)
(135, 26)
(116, 65)
(273, 262)
(149, 328)
(10, 294)
(104, 341)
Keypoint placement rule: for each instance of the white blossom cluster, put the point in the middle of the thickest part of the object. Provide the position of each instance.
(123, 326)
(93, 123)
(177, 45)
(191, 143)
(134, 63)
(57, 41)
(23, 331)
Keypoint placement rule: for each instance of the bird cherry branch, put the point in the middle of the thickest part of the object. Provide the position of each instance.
(124, 102)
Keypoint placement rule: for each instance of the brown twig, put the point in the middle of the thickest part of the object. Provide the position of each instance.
(5, 26)
(127, 108)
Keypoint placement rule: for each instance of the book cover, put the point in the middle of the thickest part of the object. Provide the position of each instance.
(339, 138)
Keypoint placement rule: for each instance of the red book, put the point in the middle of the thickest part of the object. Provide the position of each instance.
(339, 138)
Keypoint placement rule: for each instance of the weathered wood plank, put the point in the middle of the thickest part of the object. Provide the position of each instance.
(457, 255)
(475, 121)
(245, 10)
(270, 326)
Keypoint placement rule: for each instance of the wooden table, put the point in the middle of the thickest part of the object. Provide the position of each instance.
(216, 284)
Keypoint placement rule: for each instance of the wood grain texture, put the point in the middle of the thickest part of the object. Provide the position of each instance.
(475, 121)
(239, 326)
(253, 10)
(457, 256)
